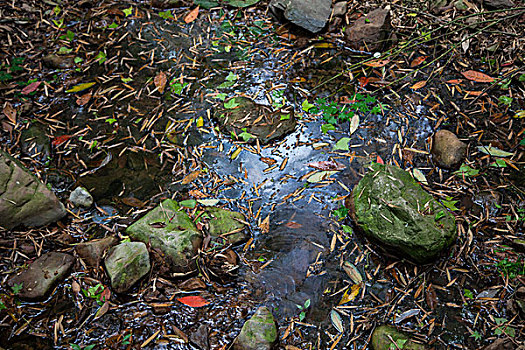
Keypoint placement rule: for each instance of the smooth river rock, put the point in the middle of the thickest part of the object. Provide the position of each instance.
(127, 263)
(447, 150)
(25, 200)
(310, 15)
(258, 333)
(392, 209)
(170, 230)
(42, 275)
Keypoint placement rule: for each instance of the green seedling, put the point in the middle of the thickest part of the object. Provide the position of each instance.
(302, 314)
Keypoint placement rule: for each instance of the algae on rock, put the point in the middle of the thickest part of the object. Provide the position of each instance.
(393, 209)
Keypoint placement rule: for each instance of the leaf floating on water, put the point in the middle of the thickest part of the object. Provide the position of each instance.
(477, 76)
(419, 85)
(417, 61)
(320, 176)
(80, 87)
(354, 124)
(236, 153)
(350, 294)
(208, 202)
(352, 272)
(494, 151)
(191, 177)
(405, 315)
(193, 301)
(57, 141)
(342, 144)
(376, 63)
(293, 224)
(419, 176)
(160, 81)
(327, 165)
(337, 321)
(192, 15)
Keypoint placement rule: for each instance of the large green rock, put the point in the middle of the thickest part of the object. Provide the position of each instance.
(383, 338)
(127, 263)
(258, 333)
(227, 224)
(392, 209)
(24, 199)
(171, 231)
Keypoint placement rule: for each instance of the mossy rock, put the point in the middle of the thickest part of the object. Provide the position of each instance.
(170, 231)
(391, 208)
(383, 338)
(127, 263)
(258, 333)
(227, 224)
(254, 119)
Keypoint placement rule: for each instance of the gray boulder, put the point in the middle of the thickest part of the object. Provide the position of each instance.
(392, 209)
(127, 263)
(169, 230)
(258, 333)
(310, 15)
(42, 275)
(25, 200)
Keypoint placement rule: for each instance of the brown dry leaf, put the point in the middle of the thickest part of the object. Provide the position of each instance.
(132, 202)
(102, 311)
(477, 76)
(197, 194)
(431, 297)
(419, 85)
(417, 61)
(475, 93)
(160, 81)
(10, 112)
(376, 63)
(269, 161)
(191, 177)
(265, 225)
(192, 15)
(82, 100)
(293, 224)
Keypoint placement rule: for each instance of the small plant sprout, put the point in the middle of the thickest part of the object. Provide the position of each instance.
(303, 308)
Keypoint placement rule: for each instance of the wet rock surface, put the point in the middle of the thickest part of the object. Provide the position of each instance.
(370, 32)
(310, 15)
(92, 252)
(42, 275)
(170, 231)
(126, 264)
(258, 333)
(257, 120)
(25, 200)
(447, 150)
(387, 337)
(35, 143)
(227, 224)
(392, 209)
(80, 197)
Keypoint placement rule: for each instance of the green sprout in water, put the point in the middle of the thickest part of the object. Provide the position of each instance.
(302, 314)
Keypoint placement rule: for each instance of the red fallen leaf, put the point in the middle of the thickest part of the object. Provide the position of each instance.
(192, 15)
(454, 81)
(57, 141)
(82, 100)
(105, 295)
(193, 301)
(376, 63)
(379, 160)
(477, 76)
(160, 81)
(417, 61)
(506, 64)
(327, 165)
(31, 87)
(363, 81)
(293, 224)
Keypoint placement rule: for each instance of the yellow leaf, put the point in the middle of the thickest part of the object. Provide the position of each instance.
(350, 294)
(80, 87)
(520, 114)
(191, 177)
(236, 153)
(200, 122)
(418, 85)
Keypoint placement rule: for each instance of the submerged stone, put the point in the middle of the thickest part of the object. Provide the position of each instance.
(170, 231)
(392, 209)
(24, 199)
(387, 337)
(227, 224)
(42, 275)
(35, 143)
(127, 263)
(310, 15)
(258, 333)
(251, 121)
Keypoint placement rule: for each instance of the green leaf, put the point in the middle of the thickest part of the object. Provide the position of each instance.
(166, 14)
(77, 60)
(468, 294)
(505, 100)
(494, 151)
(337, 322)
(75, 347)
(241, 3)
(347, 229)
(128, 11)
(126, 80)
(113, 25)
(57, 10)
(499, 163)
(246, 136)
(231, 104)
(189, 203)
(207, 4)
(342, 144)
(101, 57)
(221, 96)
(450, 204)
(80, 87)
(17, 287)
(306, 105)
(110, 120)
(307, 304)
(90, 347)
(465, 170)
(285, 116)
(232, 77)
(522, 77)
(64, 50)
(476, 335)
(419, 176)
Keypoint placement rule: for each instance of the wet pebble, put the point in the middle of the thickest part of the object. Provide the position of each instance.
(80, 197)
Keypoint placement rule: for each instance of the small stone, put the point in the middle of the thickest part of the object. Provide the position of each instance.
(447, 150)
(340, 8)
(127, 263)
(258, 333)
(383, 336)
(92, 252)
(370, 32)
(80, 197)
(42, 275)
